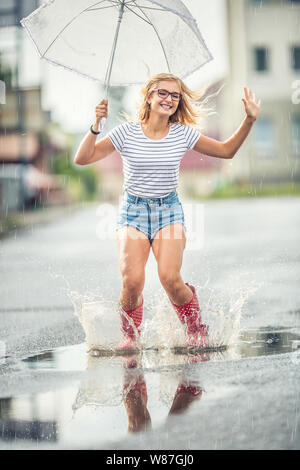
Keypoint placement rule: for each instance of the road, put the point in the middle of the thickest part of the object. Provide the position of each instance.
(244, 262)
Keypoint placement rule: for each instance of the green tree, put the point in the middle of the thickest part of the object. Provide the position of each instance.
(82, 181)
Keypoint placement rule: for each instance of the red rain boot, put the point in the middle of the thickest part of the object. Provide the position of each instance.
(130, 333)
(189, 315)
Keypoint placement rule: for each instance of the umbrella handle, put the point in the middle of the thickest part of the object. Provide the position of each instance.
(102, 124)
(103, 120)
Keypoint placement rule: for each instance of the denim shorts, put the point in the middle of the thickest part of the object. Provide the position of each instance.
(150, 215)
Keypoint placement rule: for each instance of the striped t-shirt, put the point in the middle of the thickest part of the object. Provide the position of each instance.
(151, 167)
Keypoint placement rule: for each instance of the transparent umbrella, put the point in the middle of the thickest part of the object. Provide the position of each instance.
(118, 42)
(140, 36)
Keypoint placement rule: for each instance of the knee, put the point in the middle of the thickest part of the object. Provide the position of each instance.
(170, 279)
(133, 282)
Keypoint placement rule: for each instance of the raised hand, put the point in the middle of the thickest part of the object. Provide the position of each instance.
(252, 106)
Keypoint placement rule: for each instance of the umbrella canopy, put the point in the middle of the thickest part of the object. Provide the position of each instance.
(118, 42)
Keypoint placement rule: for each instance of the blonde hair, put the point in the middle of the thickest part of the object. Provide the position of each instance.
(190, 107)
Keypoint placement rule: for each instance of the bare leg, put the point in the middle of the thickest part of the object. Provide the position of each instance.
(168, 250)
(133, 249)
(168, 247)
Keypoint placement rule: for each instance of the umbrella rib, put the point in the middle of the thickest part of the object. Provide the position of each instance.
(112, 2)
(132, 11)
(158, 36)
(68, 24)
(100, 8)
(155, 9)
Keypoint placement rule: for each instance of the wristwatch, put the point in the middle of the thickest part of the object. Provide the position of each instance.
(93, 132)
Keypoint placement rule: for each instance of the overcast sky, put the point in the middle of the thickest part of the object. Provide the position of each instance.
(72, 99)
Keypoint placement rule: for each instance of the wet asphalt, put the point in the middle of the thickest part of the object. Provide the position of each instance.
(50, 389)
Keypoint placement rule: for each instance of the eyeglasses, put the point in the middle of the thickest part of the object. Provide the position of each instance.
(165, 93)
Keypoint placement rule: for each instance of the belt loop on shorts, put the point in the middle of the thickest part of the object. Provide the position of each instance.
(136, 199)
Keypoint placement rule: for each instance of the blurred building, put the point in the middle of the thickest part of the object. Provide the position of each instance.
(26, 153)
(27, 139)
(264, 52)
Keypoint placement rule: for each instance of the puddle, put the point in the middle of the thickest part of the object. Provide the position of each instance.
(118, 395)
(267, 341)
(251, 343)
(64, 358)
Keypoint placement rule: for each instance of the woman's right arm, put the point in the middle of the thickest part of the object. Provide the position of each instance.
(89, 151)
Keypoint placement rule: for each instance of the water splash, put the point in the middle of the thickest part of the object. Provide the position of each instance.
(222, 310)
(161, 329)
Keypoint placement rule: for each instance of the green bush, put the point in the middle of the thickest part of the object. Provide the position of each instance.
(251, 190)
(82, 181)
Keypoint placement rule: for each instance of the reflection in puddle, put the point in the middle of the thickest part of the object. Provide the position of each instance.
(135, 396)
(117, 395)
(101, 389)
(45, 360)
(267, 341)
(28, 430)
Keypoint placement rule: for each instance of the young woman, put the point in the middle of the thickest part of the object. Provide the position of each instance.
(151, 214)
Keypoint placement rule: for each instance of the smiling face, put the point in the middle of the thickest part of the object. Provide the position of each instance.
(164, 106)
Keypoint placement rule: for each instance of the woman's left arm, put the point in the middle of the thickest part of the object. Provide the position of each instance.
(228, 149)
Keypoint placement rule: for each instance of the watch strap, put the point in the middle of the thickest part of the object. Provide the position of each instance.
(93, 132)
